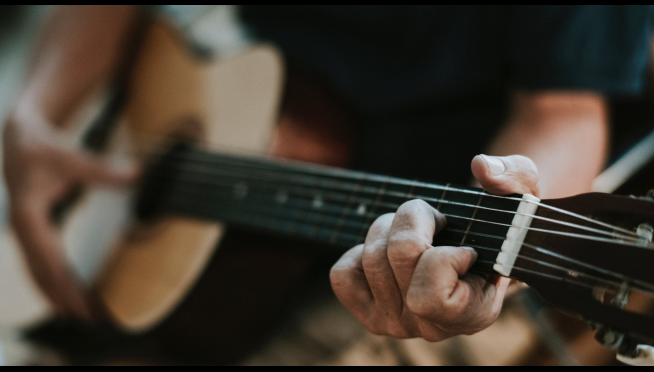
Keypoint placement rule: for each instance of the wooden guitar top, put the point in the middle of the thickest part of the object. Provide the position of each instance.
(236, 100)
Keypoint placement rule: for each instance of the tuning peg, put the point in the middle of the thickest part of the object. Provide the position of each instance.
(611, 339)
(643, 356)
(645, 231)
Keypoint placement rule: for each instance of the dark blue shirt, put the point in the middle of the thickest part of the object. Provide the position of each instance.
(430, 85)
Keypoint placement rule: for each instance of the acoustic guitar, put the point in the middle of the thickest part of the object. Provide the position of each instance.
(170, 268)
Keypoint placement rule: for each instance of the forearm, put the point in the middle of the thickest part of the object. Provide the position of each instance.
(79, 48)
(565, 134)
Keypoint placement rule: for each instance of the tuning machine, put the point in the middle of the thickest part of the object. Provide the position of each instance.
(645, 231)
(629, 351)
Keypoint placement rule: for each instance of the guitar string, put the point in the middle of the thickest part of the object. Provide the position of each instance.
(251, 163)
(369, 190)
(402, 195)
(570, 272)
(163, 142)
(618, 276)
(317, 169)
(386, 205)
(228, 184)
(650, 287)
(322, 171)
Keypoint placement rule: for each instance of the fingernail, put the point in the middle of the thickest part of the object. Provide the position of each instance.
(495, 165)
(474, 253)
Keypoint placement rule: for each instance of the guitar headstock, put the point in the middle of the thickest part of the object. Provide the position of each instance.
(592, 255)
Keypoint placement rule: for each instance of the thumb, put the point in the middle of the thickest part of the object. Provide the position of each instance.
(92, 169)
(502, 175)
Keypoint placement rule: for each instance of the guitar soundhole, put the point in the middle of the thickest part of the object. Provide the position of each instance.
(159, 182)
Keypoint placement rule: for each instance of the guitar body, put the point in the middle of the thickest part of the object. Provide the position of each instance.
(173, 283)
(171, 94)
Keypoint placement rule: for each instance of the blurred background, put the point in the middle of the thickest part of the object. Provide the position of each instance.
(18, 27)
(633, 150)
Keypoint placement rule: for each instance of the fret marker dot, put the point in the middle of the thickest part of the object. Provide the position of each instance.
(361, 210)
(317, 202)
(281, 197)
(240, 190)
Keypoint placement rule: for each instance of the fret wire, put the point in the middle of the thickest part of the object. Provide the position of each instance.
(292, 218)
(590, 276)
(300, 202)
(635, 281)
(306, 198)
(351, 198)
(259, 207)
(308, 211)
(254, 206)
(373, 207)
(371, 215)
(649, 286)
(326, 171)
(403, 195)
(474, 214)
(543, 263)
(540, 249)
(410, 194)
(427, 199)
(440, 203)
(330, 171)
(315, 228)
(442, 200)
(280, 198)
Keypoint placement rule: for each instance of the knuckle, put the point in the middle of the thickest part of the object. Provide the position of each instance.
(337, 275)
(452, 254)
(382, 223)
(380, 227)
(400, 332)
(410, 210)
(375, 246)
(375, 328)
(372, 252)
(345, 268)
(526, 166)
(431, 333)
(406, 243)
(428, 305)
(421, 306)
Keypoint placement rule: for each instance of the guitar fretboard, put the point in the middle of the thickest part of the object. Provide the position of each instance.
(321, 204)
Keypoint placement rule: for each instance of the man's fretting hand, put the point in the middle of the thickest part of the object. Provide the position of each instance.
(398, 284)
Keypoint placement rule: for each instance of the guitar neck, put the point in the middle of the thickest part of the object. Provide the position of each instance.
(322, 204)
